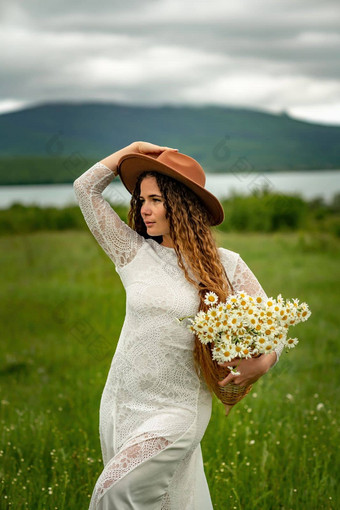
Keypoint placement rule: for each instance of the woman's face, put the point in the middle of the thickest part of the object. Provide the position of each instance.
(153, 209)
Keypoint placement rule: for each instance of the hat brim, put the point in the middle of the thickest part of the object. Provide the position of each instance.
(130, 166)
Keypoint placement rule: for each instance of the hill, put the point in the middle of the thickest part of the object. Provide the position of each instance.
(53, 142)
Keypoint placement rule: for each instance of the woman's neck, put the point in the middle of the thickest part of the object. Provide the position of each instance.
(167, 241)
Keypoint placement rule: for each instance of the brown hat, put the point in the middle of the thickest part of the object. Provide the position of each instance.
(181, 167)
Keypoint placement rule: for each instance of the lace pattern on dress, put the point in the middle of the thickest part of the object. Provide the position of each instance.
(244, 279)
(117, 239)
(127, 459)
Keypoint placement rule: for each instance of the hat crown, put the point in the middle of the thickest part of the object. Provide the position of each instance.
(185, 165)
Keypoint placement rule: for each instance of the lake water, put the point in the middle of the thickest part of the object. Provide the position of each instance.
(309, 185)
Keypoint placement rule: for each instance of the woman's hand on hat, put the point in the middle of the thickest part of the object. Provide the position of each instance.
(150, 148)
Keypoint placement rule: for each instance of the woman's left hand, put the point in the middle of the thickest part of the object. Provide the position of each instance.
(250, 369)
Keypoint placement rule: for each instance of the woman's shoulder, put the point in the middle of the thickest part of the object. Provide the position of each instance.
(228, 253)
(229, 259)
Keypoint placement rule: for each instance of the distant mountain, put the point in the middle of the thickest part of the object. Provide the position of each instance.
(54, 142)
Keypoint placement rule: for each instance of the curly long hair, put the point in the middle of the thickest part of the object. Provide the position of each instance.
(190, 231)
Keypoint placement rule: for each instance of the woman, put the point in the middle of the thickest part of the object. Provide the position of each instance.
(156, 403)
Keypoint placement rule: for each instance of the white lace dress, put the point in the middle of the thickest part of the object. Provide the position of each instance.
(154, 409)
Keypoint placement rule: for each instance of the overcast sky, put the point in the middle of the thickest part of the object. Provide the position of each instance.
(263, 54)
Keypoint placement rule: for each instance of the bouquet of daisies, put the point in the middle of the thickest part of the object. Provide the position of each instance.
(246, 326)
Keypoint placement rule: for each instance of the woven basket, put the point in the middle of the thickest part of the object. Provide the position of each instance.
(231, 393)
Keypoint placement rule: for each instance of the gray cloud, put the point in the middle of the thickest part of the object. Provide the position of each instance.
(276, 55)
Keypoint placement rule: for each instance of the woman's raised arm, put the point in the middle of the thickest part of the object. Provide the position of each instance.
(117, 239)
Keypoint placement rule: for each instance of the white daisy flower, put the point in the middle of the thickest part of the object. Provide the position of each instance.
(225, 337)
(200, 316)
(291, 342)
(211, 298)
(246, 353)
(213, 313)
(206, 338)
(234, 371)
(227, 351)
(305, 312)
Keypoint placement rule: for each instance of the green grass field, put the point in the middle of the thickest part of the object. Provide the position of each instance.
(62, 311)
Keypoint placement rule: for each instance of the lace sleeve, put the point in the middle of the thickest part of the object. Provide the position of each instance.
(117, 239)
(244, 279)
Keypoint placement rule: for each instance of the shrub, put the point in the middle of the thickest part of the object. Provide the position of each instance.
(264, 212)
